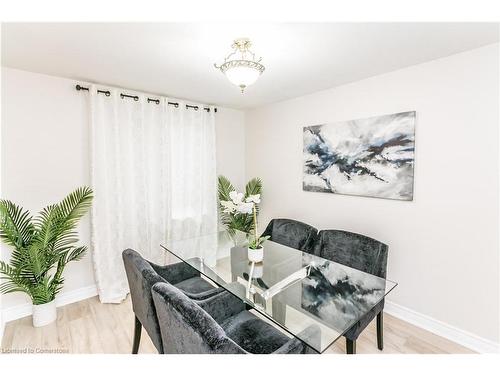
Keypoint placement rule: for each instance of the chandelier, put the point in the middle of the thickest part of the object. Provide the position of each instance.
(240, 66)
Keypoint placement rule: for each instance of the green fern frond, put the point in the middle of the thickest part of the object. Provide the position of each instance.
(76, 254)
(71, 209)
(46, 225)
(16, 228)
(253, 187)
(224, 187)
(12, 280)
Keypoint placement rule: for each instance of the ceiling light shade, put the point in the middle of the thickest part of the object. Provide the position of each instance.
(240, 66)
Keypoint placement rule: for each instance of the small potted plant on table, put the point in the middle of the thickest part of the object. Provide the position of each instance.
(255, 248)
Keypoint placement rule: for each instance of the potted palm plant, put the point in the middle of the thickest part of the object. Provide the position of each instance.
(42, 247)
(239, 213)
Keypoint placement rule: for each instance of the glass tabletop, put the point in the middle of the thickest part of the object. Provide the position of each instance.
(313, 299)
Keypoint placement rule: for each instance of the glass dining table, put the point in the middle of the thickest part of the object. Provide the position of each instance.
(311, 298)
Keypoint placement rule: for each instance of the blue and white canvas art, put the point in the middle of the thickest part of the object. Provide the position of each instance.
(371, 157)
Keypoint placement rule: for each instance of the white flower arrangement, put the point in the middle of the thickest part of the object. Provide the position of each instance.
(238, 204)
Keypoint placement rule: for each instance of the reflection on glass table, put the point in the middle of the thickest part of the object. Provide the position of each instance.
(295, 290)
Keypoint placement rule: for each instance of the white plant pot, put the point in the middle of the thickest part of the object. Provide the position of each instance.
(44, 314)
(256, 255)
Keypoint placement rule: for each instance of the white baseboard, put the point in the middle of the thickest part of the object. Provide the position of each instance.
(64, 298)
(464, 338)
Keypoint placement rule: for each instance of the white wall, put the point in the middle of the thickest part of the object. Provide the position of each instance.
(45, 153)
(443, 246)
(231, 145)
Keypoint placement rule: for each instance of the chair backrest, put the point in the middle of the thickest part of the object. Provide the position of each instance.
(292, 233)
(353, 250)
(186, 327)
(141, 278)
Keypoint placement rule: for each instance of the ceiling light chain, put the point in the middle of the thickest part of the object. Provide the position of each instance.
(242, 70)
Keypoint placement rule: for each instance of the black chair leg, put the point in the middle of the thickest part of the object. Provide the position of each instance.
(137, 336)
(380, 330)
(350, 346)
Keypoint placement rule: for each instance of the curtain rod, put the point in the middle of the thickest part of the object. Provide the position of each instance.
(136, 98)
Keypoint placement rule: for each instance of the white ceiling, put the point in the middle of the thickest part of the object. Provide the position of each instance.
(176, 59)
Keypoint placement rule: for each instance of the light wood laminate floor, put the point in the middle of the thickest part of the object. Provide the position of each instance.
(91, 327)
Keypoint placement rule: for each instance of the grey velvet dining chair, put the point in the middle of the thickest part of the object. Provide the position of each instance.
(142, 275)
(218, 325)
(292, 233)
(362, 253)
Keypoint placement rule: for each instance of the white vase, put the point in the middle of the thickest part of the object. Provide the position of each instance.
(44, 314)
(256, 255)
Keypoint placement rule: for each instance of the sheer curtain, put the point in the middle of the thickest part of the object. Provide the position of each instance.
(153, 175)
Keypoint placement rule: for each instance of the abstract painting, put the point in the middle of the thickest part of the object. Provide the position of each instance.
(371, 157)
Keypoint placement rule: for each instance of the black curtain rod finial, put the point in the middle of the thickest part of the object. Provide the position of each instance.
(78, 88)
(135, 97)
(157, 101)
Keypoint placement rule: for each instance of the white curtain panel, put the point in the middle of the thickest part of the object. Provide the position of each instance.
(154, 177)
